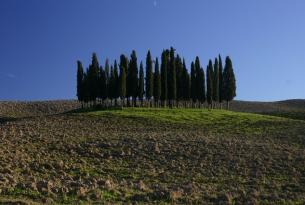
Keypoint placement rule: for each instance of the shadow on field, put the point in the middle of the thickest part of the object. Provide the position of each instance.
(7, 119)
(85, 110)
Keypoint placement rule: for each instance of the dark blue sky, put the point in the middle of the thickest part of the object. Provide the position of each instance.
(40, 41)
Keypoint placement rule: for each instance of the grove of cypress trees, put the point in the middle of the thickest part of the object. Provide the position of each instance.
(164, 62)
(216, 81)
(133, 78)
(149, 77)
(210, 83)
(80, 82)
(122, 78)
(171, 83)
(141, 83)
(157, 83)
(229, 82)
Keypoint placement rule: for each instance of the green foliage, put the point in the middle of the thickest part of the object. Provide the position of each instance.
(229, 82)
(216, 81)
(186, 82)
(200, 88)
(193, 83)
(172, 90)
(157, 81)
(179, 77)
(133, 75)
(164, 63)
(122, 78)
(141, 82)
(149, 77)
(102, 83)
(220, 79)
(210, 82)
(80, 81)
(172, 83)
(116, 88)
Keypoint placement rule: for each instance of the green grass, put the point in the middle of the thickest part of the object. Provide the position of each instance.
(213, 121)
(193, 116)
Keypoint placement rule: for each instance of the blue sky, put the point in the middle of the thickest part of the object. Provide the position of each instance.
(40, 41)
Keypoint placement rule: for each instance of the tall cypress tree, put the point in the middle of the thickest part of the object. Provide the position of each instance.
(102, 84)
(229, 82)
(93, 79)
(210, 83)
(164, 62)
(116, 88)
(149, 77)
(193, 83)
(111, 91)
(133, 78)
(179, 78)
(186, 83)
(122, 78)
(200, 80)
(107, 77)
(141, 83)
(220, 79)
(172, 90)
(216, 81)
(80, 79)
(157, 82)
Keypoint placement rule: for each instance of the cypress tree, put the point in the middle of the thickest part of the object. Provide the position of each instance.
(210, 83)
(201, 86)
(93, 79)
(220, 80)
(122, 78)
(116, 88)
(179, 78)
(149, 77)
(86, 93)
(172, 90)
(193, 83)
(80, 79)
(107, 77)
(186, 83)
(111, 91)
(200, 81)
(164, 62)
(229, 82)
(133, 78)
(102, 84)
(157, 82)
(216, 81)
(141, 83)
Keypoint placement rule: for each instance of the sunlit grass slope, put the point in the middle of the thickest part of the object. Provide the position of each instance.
(212, 121)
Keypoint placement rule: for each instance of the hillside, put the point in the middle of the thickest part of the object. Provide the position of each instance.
(37, 108)
(156, 156)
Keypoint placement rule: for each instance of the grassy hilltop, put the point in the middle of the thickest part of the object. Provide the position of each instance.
(159, 156)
